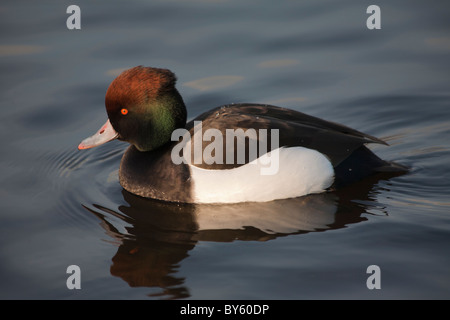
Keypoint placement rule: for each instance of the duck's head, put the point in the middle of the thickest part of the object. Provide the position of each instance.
(143, 107)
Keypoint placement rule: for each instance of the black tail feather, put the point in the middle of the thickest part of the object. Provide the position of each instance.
(363, 163)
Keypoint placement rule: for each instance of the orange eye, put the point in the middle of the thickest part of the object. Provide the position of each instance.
(124, 111)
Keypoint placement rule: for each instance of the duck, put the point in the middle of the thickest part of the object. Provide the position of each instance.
(172, 160)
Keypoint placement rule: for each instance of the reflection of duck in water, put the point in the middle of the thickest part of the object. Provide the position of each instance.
(159, 235)
(144, 108)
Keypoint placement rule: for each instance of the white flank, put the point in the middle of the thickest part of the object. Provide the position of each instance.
(301, 171)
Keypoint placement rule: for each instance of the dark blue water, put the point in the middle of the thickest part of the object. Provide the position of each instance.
(60, 206)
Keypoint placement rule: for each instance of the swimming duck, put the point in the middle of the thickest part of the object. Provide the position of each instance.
(307, 154)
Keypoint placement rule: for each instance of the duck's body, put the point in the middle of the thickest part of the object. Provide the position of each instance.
(312, 155)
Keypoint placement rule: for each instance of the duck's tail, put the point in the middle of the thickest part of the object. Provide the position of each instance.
(363, 163)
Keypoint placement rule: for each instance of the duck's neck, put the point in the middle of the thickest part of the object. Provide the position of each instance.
(167, 114)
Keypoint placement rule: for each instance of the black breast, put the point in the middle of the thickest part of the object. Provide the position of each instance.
(154, 175)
